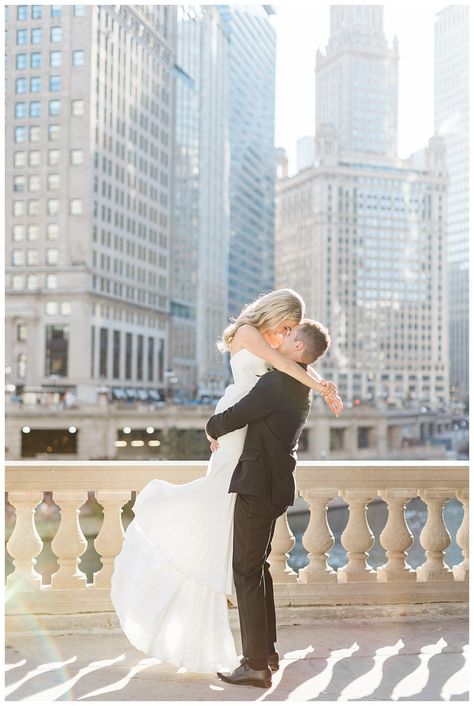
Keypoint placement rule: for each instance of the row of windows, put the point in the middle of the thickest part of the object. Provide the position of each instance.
(33, 183)
(32, 232)
(20, 258)
(55, 11)
(36, 60)
(34, 109)
(21, 83)
(36, 35)
(54, 155)
(31, 282)
(32, 207)
(33, 133)
(54, 108)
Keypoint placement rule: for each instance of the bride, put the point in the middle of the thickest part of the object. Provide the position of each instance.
(174, 572)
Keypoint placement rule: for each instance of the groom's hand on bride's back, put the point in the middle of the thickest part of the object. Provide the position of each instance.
(213, 443)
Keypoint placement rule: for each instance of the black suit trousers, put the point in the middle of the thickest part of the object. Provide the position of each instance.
(254, 525)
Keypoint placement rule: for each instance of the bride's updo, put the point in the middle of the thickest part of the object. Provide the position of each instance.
(266, 313)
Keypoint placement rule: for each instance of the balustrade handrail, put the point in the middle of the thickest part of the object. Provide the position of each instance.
(134, 475)
(318, 482)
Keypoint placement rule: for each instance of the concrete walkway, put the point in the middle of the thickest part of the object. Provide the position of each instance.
(420, 658)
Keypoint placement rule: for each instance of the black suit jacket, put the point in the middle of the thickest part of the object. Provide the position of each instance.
(275, 410)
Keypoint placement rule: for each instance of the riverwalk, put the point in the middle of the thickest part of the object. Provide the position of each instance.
(420, 657)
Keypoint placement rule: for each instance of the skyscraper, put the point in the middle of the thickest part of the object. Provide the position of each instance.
(88, 178)
(452, 123)
(361, 234)
(252, 156)
(200, 225)
(357, 82)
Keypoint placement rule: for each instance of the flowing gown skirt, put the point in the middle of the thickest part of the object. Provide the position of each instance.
(174, 572)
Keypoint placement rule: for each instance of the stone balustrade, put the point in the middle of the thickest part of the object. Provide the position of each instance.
(396, 483)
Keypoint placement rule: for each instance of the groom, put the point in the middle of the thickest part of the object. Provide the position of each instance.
(275, 410)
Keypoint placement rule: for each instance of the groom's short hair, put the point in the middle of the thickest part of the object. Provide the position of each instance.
(316, 340)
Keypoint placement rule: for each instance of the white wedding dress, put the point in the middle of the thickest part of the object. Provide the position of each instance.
(174, 572)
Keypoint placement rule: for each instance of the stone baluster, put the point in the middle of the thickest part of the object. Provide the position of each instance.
(282, 543)
(69, 543)
(318, 538)
(108, 542)
(434, 538)
(461, 571)
(25, 543)
(396, 538)
(357, 539)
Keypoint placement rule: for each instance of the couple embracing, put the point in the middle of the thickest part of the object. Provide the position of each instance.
(189, 543)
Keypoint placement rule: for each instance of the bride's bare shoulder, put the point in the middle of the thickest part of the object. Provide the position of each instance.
(244, 334)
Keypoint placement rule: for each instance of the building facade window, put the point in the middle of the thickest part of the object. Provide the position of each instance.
(22, 12)
(54, 132)
(116, 355)
(51, 281)
(33, 182)
(34, 133)
(21, 366)
(36, 12)
(53, 157)
(54, 107)
(56, 34)
(53, 182)
(33, 231)
(21, 36)
(103, 351)
(77, 157)
(33, 207)
(32, 282)
(21, 331)
(151, 358)
(19, 159)
(19, 183)
(18, 282)
(31, 257)
(77, 107)
(52, 256)
(35, 109)
(56, 359)
(55, 83)
(55, 59)
(53, 207)
(18, 258)
(128, 356)
(78, 57)
(75, 207)
(56, 10)
(79, 10)
(34, 158)
(21, 61)
(20, 110)
(51, 308)
(20, 134)
(18, 233)
(20, 85)
(36, 35)
(139, 357)
(35, 84)
(52, 231)
(18, 208)
(35, 60)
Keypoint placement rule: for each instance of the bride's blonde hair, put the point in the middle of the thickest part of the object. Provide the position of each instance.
(267, 312)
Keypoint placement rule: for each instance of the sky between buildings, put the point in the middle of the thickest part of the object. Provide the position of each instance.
(302, 28)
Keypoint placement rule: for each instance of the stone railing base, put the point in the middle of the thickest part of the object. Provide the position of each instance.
(87, 623)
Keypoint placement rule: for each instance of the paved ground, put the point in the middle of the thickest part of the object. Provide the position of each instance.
(405, 659)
